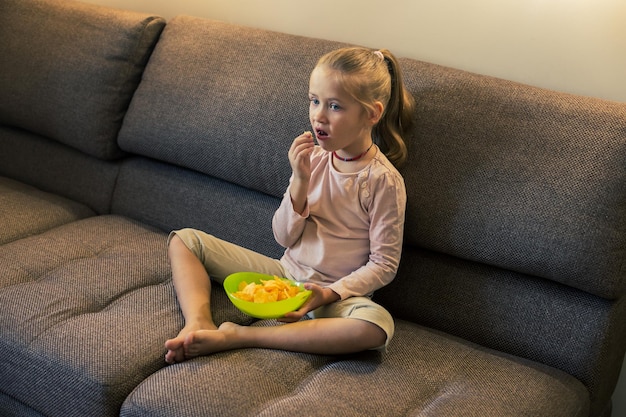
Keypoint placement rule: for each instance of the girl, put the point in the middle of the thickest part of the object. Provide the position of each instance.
(341, 221)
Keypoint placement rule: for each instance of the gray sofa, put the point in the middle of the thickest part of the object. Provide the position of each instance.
(116, 127)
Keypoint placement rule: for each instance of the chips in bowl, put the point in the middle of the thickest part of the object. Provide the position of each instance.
(264, 296)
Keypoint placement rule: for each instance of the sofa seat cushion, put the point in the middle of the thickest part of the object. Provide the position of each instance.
(96, 305)
(25, 210)
(424, 373)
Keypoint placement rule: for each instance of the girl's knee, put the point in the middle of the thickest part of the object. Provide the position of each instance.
(175, 244)
(176, 234)
(376, 335)
(184, 242)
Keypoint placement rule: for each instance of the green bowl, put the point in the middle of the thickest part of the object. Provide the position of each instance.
(271, 310)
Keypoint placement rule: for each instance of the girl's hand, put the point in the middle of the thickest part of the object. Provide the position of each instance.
(320, 296)
(299, 156)
(300, 161)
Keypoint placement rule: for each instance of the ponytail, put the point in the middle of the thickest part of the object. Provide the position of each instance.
(397, 119)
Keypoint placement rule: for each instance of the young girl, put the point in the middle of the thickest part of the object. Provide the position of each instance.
(341, 221)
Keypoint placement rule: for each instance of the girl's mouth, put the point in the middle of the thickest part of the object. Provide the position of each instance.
(321, 134)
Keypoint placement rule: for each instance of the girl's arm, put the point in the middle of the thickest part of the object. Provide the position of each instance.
(300, 161)
(288, 221)
(387, 215)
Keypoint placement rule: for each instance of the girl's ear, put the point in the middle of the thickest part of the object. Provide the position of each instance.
(376, 113)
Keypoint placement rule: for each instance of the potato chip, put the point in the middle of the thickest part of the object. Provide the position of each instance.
(268, 291)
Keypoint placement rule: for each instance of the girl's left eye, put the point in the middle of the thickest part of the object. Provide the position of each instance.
(334, 107)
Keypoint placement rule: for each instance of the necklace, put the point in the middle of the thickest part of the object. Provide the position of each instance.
(355, 158)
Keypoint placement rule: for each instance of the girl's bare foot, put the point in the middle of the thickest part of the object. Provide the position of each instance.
(205, 342)
(176, 346)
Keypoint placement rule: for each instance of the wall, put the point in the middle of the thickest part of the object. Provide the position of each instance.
(576, 46)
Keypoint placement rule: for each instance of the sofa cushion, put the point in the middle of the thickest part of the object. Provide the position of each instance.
(425, 373)
(170, 197)
(96, 305)
(538, 319)
(9, 406)
(518, 177)
(254, 78)
(69, 69)
(25, 210)
(57, 168)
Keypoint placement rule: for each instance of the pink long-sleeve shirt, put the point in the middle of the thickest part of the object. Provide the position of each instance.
(349, 237)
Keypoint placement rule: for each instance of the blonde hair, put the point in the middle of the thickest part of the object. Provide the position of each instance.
(370, 76)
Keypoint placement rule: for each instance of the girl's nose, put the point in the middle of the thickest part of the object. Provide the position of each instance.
(318, 114)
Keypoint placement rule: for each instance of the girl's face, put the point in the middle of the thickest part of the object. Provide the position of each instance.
(337, 119)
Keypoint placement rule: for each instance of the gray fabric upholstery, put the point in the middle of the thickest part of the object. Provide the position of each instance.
(513, 176)
(428, 374)
(26, 211)
(68, 69)
(56, 168)
(172, 198)
(91, 294)
(511, 312)
(255, 79)
(13, 408)
(79, 284)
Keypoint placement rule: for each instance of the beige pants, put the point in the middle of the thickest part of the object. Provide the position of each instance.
(221, 258)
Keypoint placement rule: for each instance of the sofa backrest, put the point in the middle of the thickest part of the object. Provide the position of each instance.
(69, 69)
(517, 177)
(221, 100)
(224, 100)
(67, 73)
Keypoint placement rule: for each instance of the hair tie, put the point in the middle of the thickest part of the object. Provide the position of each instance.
(379, 55)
